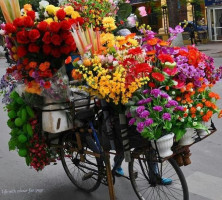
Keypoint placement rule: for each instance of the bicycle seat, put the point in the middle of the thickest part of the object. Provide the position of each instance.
(85, 115)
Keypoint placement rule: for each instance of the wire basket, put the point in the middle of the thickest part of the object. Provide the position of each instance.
(82, 106)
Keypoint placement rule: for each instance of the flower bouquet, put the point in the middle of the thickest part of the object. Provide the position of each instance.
(38, 42)
(116, 74)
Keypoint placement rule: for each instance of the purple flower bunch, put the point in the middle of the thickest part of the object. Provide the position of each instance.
(171, 103)
(174, 32)
(141, 113)
(166, 116)
(186, 71)
(204, 72)
(155, 92)
(154, 110)
(144, 101)
(158, 108)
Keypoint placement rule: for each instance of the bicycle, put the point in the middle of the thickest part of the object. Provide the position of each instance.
(87, 164)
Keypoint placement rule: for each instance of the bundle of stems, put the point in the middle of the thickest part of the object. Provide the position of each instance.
(10, 10)
(86, 40)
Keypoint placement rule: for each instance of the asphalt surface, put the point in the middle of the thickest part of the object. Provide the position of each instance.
(19, 182)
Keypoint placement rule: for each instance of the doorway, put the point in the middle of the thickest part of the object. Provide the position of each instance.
(214, 18)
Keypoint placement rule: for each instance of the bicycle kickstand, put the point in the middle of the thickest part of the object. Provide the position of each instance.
(109, 177)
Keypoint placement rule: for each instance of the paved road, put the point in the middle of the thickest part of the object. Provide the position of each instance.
(18, 182)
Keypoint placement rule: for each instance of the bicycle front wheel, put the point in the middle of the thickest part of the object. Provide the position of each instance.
(151, 185)
(84, 175)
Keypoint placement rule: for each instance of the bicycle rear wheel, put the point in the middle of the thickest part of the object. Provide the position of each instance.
(148, 187)
(84, 175)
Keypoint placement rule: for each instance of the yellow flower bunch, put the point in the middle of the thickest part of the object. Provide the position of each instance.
(120, 42)
(49, 20)
(133, 42)
(51, 10)
(109, 85)
(69, 10)
(109, 23)
(107, 38)
(75, 14)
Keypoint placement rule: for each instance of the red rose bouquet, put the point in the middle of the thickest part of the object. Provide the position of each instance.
(40, 47)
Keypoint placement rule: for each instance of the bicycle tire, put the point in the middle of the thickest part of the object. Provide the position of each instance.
(91, 167)
(178, 190)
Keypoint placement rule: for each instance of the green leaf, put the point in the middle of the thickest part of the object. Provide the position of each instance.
(168, 125)
(146, 133)
(190, 119)
(12, 144)
(112, 50)
(154, 124)
(171, 82)
(158, 134)
(28, 160)
(167, 78)
(139, 120)
(179, 133)
(156, 69)
(133, 110)
(130, 103)
(135, 99)
(125, 9)
(200, 126)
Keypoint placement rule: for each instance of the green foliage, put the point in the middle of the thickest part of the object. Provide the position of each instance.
(11, 114)
(18, 122)
(12, 144)
(23, 152)
(125, 9)
(28, 160)
(30, 111)
(22, 138)
(20, 114)
(155, 9)
(179, 132)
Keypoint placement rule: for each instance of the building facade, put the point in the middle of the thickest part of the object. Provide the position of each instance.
(163, 14)
(214, 19)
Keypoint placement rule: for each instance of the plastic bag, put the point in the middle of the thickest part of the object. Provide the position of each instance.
(59, 90)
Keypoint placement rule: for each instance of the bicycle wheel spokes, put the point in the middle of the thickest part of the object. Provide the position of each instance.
(84, 175)
(152, 185)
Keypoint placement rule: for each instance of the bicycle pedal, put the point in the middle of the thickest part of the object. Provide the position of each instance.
(87, 176)
(118, 175)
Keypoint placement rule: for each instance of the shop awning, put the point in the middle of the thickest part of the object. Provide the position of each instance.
(213, 2)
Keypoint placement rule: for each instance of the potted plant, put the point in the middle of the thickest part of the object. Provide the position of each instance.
(154, 114)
